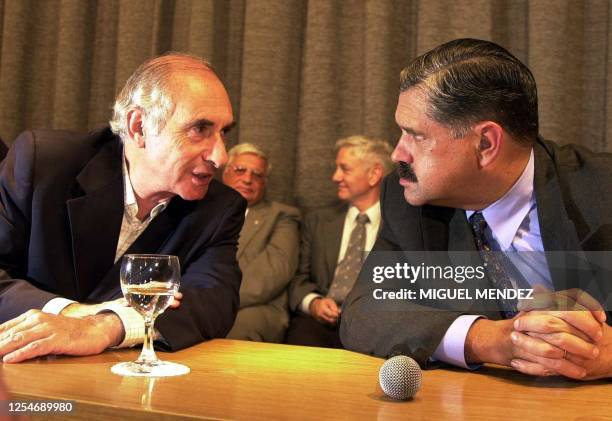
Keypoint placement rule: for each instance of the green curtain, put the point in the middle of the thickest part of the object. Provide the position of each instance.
(300, 73)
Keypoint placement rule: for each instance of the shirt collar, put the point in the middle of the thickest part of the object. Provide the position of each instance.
(129, 199)
(373, 213)
(504, 217)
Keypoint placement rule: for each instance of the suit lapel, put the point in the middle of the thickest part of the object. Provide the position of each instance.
(252, 224)
(95, 218)
(558, 231)
(445, 229)
(152, 240)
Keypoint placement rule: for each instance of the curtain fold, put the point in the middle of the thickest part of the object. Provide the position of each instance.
(300, 73)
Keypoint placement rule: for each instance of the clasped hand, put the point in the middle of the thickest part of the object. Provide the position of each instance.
(563, 333)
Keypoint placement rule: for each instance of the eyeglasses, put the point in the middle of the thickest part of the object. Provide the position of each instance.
(241, 171)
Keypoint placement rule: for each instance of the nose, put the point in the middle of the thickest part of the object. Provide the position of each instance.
(337, 175)
(400, 153)
(247, 178)
(218, 155)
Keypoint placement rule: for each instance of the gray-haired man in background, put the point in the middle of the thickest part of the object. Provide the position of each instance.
(268, 249)
(333, 242)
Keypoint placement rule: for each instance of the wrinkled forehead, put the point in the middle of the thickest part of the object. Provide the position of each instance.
(200, 94)
(198, 81)
(412, 101)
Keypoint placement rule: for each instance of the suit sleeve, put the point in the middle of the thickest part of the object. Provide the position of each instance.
(267, 274)
(390, 327)
(209, 284)
(302, 284)
(17, 295)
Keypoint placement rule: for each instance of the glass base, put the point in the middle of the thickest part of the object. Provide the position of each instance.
(158, 369)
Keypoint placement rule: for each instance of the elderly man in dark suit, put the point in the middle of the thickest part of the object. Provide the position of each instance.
(474, 175)
(71, 205)
(334, 240)
(268, 249)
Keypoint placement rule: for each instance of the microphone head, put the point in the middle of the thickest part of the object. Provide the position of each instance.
(400, 377)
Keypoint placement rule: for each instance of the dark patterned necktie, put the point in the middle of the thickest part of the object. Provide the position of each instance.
(349, 267)
(502, 273)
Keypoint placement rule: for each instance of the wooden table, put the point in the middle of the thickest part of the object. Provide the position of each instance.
(244, 380)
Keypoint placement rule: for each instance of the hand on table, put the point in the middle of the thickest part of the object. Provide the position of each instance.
(535, 342)
(35, 334)
(325, 310)
(542, 340)
(570, 343)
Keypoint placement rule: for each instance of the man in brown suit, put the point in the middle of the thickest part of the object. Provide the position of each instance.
(328, 263)
(267, 250)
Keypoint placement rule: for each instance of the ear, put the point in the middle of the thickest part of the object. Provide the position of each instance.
(135, 128)
(489, 142)
(375, 175)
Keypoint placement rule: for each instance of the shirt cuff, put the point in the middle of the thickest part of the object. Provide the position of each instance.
(56, 305)
(132, 321)
(305, 304)
(451, 349)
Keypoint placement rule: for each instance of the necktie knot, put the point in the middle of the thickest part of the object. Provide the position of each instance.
(478, 223)
(362, 219)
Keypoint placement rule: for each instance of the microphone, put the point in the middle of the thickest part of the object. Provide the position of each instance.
(400, 377)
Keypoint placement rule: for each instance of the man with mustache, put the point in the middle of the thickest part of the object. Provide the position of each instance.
(333, 242)
(71, 205)
(475, 175)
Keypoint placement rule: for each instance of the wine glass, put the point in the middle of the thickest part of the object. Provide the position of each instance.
(149, 282)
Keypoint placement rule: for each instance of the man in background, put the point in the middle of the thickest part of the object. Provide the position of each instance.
(268, 249)
(71, 205)
(334, 241)
(474, 175)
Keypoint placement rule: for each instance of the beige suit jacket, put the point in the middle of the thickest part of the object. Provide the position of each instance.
(268, 253)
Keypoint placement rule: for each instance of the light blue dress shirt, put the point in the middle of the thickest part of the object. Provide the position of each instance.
(514, 226)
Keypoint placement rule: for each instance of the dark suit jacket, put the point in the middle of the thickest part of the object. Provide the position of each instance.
(268, 253)
(573, 189)
(319, 249)
(61, 208)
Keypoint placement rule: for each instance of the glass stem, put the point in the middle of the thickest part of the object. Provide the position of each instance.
(147, 356)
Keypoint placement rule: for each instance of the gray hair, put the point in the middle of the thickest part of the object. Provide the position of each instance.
(148, 89)
(368, 150)
(246, 147)
(470, 80)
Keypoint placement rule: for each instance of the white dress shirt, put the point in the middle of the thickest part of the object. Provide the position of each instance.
(350, 222)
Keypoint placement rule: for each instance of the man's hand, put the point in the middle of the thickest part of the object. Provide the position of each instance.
(176, 302)
(567, 300)
(583, 344)
(496, 342)
(325, 310)
(82, 310)
(601, 366)
(574, 323)
(35, 334)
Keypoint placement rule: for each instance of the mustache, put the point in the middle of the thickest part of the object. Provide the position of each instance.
(405, 171)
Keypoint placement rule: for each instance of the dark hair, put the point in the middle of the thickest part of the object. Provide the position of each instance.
(470, 80)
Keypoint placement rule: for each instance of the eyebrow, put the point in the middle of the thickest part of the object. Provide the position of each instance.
(229, 126)
(204, 122)
(411, 131)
